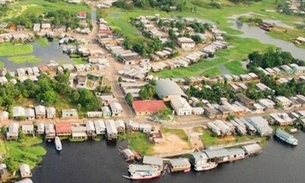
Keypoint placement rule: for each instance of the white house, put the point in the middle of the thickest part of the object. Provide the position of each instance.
(181, 106)
(186, 43)
(116, 108)
(284, 101)
(51, 112)
(25, 171)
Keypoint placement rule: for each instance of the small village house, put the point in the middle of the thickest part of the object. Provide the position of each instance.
(63, 129)
(145, 128)
(29, 113)
(25, 171)
(13, 131)
(69, 113)
(244, 100)
(151, 160)
(40, 112)
(156, 136)
(180, 164)
(27, 180)
(79, 132)
(283, 101)
(210, 112)
(116, 109)
(147, 107)
(90, 129)
(40, 128)
(4, 116)
(27, 129)
(94, 114)
(131, 125)
(106, 111)
(167, 89)
(4, 174)
(282, 119)
(18, 112)
(120, 125)
(50, 131)
(186, 43)
(128, 155)
(51, 112)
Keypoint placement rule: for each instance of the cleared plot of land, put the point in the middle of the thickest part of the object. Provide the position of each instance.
(172, 143)
(235, 67)
(8, 49)
(24, 59)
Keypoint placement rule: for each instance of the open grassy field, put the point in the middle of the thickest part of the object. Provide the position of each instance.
(211, 72)
(9, 49)
(24, 59)
(1, 64)
(26, 150)
(235, 67)
(35, 7)
(138, 141)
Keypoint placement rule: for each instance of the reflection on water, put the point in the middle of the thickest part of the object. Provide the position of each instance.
(52, 52)
(97, 162)
(259, 34)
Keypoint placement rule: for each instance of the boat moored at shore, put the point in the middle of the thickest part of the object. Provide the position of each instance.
(286, 137)
(58, 144)
(142, 172)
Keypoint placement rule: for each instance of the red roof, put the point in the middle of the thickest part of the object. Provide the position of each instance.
(82, 13)
(63, 128)
(148, 105)
(43, 68)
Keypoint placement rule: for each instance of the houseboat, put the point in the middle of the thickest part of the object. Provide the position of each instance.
(142, 172)
(286, 137)
(179, 164)
(58, 144)
(201, 162)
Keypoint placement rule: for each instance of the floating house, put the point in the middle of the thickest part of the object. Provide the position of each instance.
(79, 132)
(50, 131)
(100, 127)
(128, 155)
(180, 164)
(252, 149)
(40, 128)
(111, 130)
(63, 130)
(25, 171)
(236, 154)
(27, 129)
(151, 160)
(27, 180)
(90, 129)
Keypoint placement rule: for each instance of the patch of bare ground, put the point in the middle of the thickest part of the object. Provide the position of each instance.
(171, 143)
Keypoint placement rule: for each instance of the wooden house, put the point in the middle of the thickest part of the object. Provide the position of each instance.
(25, 171)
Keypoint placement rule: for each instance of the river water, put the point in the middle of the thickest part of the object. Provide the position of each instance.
(97, 162)
(51, 52)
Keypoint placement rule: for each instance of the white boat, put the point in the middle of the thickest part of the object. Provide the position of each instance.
(141, 172)
(205, 166)
(286, 137)
(58, 144)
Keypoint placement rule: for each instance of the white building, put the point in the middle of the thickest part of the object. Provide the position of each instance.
(284, 101)
(186, 43)
(181, 106)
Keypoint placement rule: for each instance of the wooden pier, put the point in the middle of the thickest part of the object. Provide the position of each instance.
(234, 144)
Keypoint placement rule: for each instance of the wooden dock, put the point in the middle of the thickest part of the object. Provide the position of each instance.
(177, 153)
(234, 144)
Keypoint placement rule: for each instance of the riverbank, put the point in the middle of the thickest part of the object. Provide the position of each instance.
(26, 150)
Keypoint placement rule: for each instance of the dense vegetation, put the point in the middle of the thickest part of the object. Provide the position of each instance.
(164, 5)
(49, 92)
(271, 58)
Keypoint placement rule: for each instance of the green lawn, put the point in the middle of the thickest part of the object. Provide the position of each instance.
(9, 49)
(26, 150)
(79, 60)
(211, 72)
(235, 67)
(24, 59)
(43, 42)
(139, 142)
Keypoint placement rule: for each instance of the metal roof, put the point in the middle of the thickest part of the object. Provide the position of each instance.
(151, 160)
(179, 162)
(166, 87)
(235, 151)
(252, 148)
(216, 153)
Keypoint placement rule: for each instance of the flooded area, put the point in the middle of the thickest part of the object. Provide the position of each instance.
(52, 52)
(262, 36)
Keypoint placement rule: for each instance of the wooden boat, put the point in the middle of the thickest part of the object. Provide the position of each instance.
(58, 144)
(286, 137)
(142, 172)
